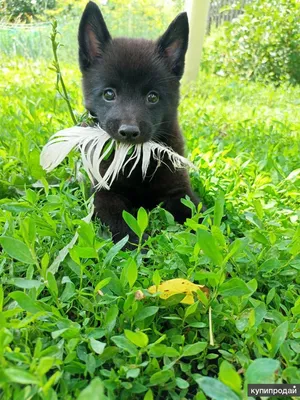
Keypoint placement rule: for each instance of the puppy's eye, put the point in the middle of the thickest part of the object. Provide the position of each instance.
(109, 94)
(152, 97)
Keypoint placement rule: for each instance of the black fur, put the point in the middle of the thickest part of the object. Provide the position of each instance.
(133, 68)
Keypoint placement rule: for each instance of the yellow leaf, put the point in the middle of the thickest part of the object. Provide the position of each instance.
(176, 286)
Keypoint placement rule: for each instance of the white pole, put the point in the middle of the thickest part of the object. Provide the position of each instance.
(198, 14)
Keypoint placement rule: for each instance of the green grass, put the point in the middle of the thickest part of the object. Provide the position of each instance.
(66, 331)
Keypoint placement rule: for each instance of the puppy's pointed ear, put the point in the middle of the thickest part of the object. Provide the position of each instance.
(173, 44)
(93, 35)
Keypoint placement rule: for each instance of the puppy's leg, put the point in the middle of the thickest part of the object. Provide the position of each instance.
(108, 208)
(169, 188)
(173, 204)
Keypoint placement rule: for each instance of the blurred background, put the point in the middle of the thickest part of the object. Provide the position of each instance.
(26, 24)
(254, 39)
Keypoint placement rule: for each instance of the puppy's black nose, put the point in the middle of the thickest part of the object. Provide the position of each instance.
(129, 132)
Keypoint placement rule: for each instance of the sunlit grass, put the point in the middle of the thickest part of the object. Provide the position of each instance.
(63, 328)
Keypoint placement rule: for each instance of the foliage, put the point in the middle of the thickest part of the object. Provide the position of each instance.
(25, 10)
(262, 44)
(29, 10)
(135, 19)
(76, 328)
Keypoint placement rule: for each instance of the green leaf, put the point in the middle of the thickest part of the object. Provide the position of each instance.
(295, 245)
(86, 303)
(262, 370)
(270, 265)
(218, 236)
(236, 247)
(26, 302)
(219, 209)
(191, 309)
(17, 207)
(102, 283)
(1, 298)
(28, 230)
(45, 261)
(149, 395)
(132, 223)
(160, 339)
(230, 377)
(202, 297)
(234, 287)
(270, 295)
(138, 338)
(132, 272)
(181, 383)
(171, 352)
(52, 284)
(216, 389)
(252, 285)
(142, 219)
(254, 220)
(293, 175)
(258, 208)
(193, 349)
(124, 344)
(115, 250)
(278, 337)
(260, 238)
(16, 249)
(5, 338)
(133, 373)
(18, 375)
(172, 301)
(85, 252)
(188, 203)
(296, 309)
(146, 312)
(111, 318)
(159, 350)
(94, 391)
(97, 346)
(161, 377)
(112, 149)
(209, 246)
(260, 313)
(26, 283)
(156, 278)
(86, 233)
(45, 364)
(68, 292)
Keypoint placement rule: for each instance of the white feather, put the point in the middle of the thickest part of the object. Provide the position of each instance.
(146, 158)
(113, 170)
(178, 161)
(135, 155)
(91, 142)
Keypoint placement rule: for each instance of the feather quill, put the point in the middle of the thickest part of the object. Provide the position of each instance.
(91, 141)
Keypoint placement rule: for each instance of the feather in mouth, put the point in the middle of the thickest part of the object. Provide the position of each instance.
(95, 145)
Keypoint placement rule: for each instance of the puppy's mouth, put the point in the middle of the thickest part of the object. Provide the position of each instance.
(130, 140)
(130, 134)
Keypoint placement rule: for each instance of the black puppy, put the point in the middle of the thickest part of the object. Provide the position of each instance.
(131, 87)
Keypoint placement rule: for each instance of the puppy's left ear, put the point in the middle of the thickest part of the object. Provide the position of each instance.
(93, 35)
(172, 45)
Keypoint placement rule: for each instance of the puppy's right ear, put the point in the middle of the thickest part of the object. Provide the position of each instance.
(93, 35)
(172, 45)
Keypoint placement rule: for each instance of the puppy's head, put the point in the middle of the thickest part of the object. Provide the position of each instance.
(131, 85)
